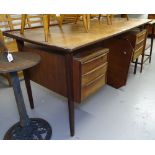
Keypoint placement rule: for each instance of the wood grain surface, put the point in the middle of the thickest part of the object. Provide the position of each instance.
(73, 36)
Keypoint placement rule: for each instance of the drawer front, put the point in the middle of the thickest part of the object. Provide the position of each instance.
(90, 76)
(141, 44)
(137, 53)
(93, 86)
(140, 36)
(93, 63)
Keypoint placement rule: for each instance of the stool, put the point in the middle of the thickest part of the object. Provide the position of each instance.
(27, 128)
(152, 26)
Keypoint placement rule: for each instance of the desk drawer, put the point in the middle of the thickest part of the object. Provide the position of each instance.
(90, 76)
(140, 36)
(89, 72)
(91, 64)
(138, 52)
(141, 44)
(93, 86)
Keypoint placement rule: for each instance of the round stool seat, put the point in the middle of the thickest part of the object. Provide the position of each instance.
(22, 61)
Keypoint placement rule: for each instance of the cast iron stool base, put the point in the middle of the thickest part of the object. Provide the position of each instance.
(38, 129)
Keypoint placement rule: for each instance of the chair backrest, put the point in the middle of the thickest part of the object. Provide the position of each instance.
(9, 22)
(70, 18)
(14, 21)
(34, 20)
(4, 23)
(2, 44)
(137, 38)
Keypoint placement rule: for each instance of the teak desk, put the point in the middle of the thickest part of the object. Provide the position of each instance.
(55, 71)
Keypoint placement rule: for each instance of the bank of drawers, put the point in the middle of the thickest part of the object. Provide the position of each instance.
(89, 73)
(138, 40)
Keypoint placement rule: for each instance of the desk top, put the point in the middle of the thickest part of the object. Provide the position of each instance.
(152, 22)
(73, 36)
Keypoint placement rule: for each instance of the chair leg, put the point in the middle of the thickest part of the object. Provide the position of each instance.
(135, 68)
(142, 62)
(46, 26)
(99, 17)
(85, 22)
(108, 19)
(76, 19)
(23, 23)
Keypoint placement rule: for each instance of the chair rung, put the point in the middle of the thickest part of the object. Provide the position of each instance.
(13, 18)
(146, 59)
(4, 26)
(146, 55)
(35, 16)
(32, 22)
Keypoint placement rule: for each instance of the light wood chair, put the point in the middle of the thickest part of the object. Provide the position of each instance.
(108, 17)
(137, 39)
(69, 18)
(42, 19)
(3, 48)
(76, 17)
(111, 16)
(9, 22)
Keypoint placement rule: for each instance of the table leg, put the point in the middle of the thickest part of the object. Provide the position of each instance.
(28, 87)
(69, 78)
(26, 129)
(152, 37)
(24, 120)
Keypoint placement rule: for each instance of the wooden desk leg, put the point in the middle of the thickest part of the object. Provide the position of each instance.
(69, 80)
(28, 87)
(152, 37)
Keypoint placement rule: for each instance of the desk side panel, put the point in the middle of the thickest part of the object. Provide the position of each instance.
(51, 72)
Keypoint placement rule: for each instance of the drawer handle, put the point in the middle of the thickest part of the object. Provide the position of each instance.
(94, 58)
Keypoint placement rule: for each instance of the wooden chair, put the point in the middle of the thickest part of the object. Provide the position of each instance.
(2, 48)
(108, 17)
(70, 18)
(111, 16)
(137, 39)
(44, 20)
(6, 23)
(149, 45)
(75, 17)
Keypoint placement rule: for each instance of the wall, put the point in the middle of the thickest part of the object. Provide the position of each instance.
(138, 15)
